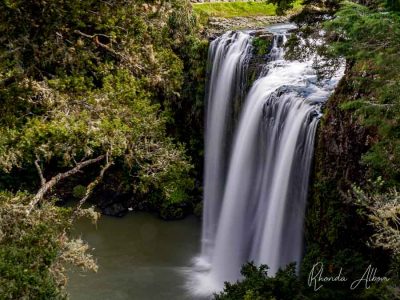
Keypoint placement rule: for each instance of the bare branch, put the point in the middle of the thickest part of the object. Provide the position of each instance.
(117, 54)
(54, 180)
(91, 36)
(381, 105)
(90, 188)
(39, 169)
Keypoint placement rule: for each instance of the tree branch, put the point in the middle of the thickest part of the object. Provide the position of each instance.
(91, 36)
(42, 179)
(54, 180)
(90, 188)
(117, 54)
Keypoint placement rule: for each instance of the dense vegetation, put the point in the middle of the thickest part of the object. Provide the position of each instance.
(92, 94)
(257, 285)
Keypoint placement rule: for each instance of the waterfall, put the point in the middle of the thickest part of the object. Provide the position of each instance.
(256, 179)
(227, 56)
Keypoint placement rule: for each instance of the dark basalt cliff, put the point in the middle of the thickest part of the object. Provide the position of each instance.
(335, 233)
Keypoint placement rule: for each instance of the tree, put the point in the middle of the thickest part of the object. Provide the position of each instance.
(87, 89)
(81, 79)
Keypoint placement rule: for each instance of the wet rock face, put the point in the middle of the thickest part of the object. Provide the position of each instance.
(341, 142)
(261, 33)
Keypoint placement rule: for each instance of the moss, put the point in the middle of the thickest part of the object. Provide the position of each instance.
(261, 45)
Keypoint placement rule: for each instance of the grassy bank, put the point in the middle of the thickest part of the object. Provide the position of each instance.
(237, 9)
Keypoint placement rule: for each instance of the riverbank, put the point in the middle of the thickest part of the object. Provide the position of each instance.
(219, 17)
(217, 25)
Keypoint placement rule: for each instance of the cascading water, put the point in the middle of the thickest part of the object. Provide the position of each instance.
(255, 185)
(229, 56)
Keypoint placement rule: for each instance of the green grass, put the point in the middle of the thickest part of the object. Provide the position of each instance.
(237, 9)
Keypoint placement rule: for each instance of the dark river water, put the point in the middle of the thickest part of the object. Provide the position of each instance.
(139, 257)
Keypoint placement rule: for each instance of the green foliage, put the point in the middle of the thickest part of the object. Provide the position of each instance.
(79, 191)
(261, 45)
(34, 249)
(282, 6)
(83, 78)
(170, 179)
(257, 285)
(375, 78)
(77, 37)
(287, 285)
(186, 120)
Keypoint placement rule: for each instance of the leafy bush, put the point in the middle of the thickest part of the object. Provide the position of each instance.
(34, 249)
(257, 285)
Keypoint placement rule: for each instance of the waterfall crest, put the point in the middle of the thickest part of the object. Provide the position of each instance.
(256, 180)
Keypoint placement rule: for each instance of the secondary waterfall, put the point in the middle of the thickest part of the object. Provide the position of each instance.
(257, 167)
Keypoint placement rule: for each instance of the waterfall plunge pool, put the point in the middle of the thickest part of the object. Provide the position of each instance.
(248, 216)
(140, 257)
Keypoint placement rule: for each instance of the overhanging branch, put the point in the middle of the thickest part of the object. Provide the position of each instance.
(90, 188)
(54, 180)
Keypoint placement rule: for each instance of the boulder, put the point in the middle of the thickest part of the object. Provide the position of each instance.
(115, 210)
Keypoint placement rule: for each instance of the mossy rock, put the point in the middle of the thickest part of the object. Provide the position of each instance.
(262, 43)
(172, 212)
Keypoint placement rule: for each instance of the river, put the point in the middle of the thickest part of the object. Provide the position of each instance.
(139, 257)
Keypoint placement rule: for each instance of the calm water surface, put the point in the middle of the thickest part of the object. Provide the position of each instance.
(139, 257)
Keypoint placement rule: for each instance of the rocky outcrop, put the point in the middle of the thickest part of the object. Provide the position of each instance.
(217, 26)
(335, 232)
(341, 141)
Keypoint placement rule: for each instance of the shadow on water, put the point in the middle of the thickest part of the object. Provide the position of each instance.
(139, 257)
